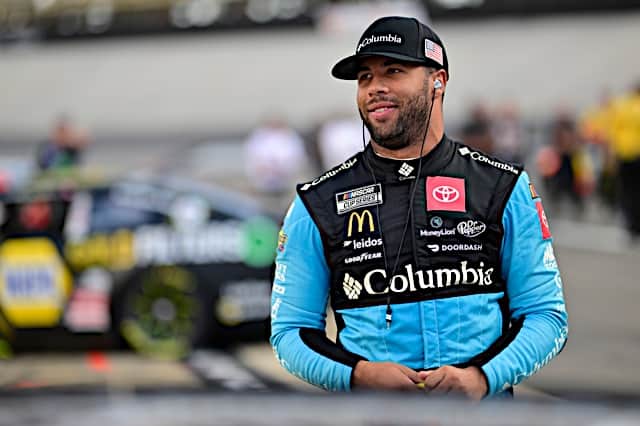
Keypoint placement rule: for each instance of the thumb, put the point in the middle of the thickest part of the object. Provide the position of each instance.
(423, 375)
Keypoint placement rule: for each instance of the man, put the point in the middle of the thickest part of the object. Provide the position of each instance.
(64, 148)
(437, 258)
(623, 135)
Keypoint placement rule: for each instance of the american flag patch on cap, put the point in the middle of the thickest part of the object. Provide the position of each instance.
(433, 51)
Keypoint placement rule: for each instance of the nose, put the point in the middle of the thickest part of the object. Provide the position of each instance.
(378, 86)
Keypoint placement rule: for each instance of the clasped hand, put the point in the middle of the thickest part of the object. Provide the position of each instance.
(468, 381)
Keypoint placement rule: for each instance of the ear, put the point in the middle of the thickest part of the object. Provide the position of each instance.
(441, 76)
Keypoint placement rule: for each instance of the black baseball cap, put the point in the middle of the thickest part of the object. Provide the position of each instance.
(406, 39)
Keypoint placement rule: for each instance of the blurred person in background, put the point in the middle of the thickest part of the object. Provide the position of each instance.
(476, 131)
(338, 138)
(594, 129)
(624, 140)
(437, 258)
(275, 157)
(64, 147)
(508, 133)
(565, 164)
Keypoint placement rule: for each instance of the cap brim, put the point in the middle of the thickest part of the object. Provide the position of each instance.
(347, 68)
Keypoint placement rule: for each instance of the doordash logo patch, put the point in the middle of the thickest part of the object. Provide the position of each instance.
(445, 194)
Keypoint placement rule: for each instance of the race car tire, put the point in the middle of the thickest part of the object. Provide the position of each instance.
(161, 312)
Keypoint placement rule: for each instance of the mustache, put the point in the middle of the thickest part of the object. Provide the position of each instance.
(383, 98)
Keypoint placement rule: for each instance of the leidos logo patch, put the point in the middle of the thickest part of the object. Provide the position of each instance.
(359, 197)
(363, 243)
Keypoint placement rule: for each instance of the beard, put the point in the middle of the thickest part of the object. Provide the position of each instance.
(408, 128)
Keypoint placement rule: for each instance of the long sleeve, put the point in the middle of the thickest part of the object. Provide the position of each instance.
(534, 290)
(299, 303)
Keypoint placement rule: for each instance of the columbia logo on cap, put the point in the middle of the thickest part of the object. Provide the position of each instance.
(387, 38)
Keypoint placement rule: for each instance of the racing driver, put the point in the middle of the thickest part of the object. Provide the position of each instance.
(436, 258)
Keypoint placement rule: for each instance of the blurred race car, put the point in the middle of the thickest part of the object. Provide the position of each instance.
(159, 264)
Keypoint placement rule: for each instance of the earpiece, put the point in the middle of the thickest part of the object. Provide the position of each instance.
(437, 84)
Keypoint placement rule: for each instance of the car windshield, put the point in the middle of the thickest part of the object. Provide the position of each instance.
(108, 215)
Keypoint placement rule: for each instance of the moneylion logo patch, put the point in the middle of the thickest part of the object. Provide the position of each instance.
(364, 196)
(352, 287)
(436, 222)
(437, 232)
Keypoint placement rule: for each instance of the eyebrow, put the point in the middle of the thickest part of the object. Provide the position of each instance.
(386, 63)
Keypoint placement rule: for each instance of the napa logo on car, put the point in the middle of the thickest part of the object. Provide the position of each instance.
(34, 282)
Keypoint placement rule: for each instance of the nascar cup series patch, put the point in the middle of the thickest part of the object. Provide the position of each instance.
(364, 196)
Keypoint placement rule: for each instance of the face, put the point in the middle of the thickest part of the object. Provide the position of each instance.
(394, 100)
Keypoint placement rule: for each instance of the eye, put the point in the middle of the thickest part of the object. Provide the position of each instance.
(394, 70)
(364, 76)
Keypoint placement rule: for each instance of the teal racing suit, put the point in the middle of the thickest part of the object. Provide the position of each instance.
(474, 281)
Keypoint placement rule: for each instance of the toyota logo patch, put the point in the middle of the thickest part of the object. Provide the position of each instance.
(445, 193)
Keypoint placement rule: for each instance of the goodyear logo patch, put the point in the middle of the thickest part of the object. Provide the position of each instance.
(364, 196)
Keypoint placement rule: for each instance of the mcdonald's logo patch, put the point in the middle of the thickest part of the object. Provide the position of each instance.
(364, 196)
(360, 222)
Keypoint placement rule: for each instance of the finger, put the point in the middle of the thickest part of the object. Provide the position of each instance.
(409, 385)
(445, 386)
(414, 376)
(410, 373)
(442, 388)
(434, 379)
